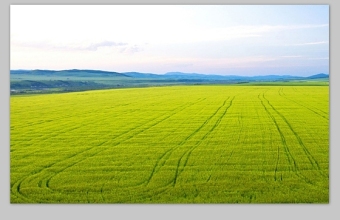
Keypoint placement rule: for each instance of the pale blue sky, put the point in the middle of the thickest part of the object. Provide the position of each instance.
(208, 39)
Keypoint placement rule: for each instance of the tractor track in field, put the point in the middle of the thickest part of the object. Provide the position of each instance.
(127, 138)
(238, 138)
(102, 189)
(306, 94)
(16, 188)
(262, 126)
(41, 182)
(162, 160)
(282, 138)
(187, 154)
(310, 157)
(89, 122)
(284, 96)
(72, 116)
(290, 158)
(166, 155)
(240, 123)
(233, 150)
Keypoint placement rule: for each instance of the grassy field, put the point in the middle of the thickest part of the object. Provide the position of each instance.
(180, 144)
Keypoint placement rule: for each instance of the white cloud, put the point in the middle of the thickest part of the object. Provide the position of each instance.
(319, 58)
(185, 34)
(78, 46)
(292, 56)
(311, 43)
(95, 46)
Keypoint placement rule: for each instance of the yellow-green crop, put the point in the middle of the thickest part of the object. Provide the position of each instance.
(181, 144)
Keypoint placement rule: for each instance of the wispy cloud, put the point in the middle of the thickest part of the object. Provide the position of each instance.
(319, 58)
(233, 32)
(307, 26)
(303, 57)
(219, 62)
(78, 46)
(270, 28)
(311, 43)
(131, 49)
(95, 46)
(292, 56)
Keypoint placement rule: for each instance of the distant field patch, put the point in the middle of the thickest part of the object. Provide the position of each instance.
(180, 144)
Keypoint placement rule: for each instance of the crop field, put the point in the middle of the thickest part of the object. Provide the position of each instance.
(176, 144)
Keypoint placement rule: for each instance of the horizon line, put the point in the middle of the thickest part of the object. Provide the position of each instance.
(162, 73)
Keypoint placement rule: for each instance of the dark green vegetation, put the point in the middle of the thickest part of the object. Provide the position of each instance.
(179, 144)
(48, 81)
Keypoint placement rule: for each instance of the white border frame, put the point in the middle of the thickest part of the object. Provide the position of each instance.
(116, 211)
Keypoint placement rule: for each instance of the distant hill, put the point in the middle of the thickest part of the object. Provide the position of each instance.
(232, 77)
(318, 76)
(166, 76)
(140, 75)
(50, 81)
(180, 75)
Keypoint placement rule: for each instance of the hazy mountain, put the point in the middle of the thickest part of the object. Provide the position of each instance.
(181, 75)
(49, 81)
(168, 75)
(318, 76)
(232, 77)
(141, 75)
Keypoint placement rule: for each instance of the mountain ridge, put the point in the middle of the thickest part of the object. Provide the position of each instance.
(168, 75)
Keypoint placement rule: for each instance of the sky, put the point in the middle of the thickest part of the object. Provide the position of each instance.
(243, 40)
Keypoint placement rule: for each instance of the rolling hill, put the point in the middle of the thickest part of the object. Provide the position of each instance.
(32, 81)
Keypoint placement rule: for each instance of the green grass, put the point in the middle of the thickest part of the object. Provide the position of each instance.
(180, 144)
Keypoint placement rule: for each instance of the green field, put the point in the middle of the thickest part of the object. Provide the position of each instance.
(180, 144)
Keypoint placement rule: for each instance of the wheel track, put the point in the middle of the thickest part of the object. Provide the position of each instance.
(282, 139)
(127, 138)
(290, 158)
(187, 154)
(284, 96)
(74, 128)
(240, 130)
(165, 156)
(240, 123)
(15, 190)
(310, 157)
(17, 185)
(310, 96)
(162, 160)
(61, 132)
(71, 116)
(262, 126)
